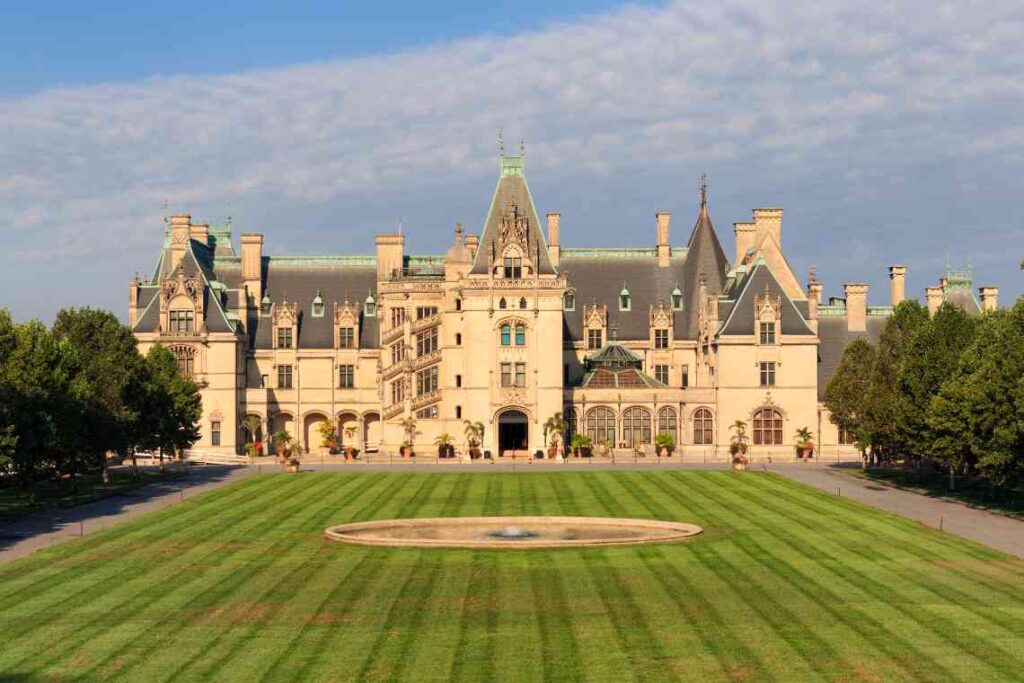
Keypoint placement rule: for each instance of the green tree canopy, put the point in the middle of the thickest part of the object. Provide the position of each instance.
(847, 391)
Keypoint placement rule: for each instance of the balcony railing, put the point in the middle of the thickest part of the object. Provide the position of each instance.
(394, 369)
(428, 359)
(392, 410)
(391, 334)
(424, 323)
(424, 400)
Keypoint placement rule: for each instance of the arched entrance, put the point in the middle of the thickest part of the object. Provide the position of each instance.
(314, 440)
(371, 432)
(513, 433)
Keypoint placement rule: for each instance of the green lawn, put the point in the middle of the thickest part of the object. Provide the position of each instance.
(62, 493)
(786, 584)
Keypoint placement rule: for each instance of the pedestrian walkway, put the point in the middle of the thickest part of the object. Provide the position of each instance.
(45, 528)
(988, 528)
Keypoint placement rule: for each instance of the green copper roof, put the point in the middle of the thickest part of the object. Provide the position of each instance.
(514, 166)
(609, 252)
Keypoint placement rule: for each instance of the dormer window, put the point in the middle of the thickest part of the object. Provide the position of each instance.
(265, 305)
(284, 337)
(625, 300)
(318, 305)
(370, 306)
(767, 332)
(181, 321)
(569, 301)
(677, 299)
(513, 269)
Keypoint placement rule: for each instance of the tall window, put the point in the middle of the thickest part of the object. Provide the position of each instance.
(458, 304)
(397, 317)
(182, 320)
(520, 374)
(502, 304)
(506, 374)
(458, 339)
(215, 432)
(425, 312)
(458, 380)
(768, 333)
(522, 303)
(397, 391)
(506, 334)
(426, 342)
(767, 427)
(346, 338)
(686, 376)
(284, 377)
(667, 423)
(186, 357)
(594, 339)
(426, 381)
(520, 335)
(458, 412)
(767, 374)
(703, 427)
(513, 374)
(636, 426)
(346, 376)
(601, 426)
(397, 352)
(513, 268)
(661, 339)
(284, 337)
(572, 421)
(661, 373)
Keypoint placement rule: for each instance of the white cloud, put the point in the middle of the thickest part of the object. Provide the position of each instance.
(768, 93)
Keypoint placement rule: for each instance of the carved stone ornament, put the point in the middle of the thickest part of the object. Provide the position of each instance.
(179, 284)
(660, 316)
(514, 227)
(595, 315)
(767, 307)
(346, 314)
(284, 314)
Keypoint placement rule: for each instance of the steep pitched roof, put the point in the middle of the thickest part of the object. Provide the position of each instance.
(762, 281)
(704, 259)
(193, 264)
(512, 190)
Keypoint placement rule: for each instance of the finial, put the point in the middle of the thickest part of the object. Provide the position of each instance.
(812, 275)
(458, 229)
(501, 144)
(703, 190)
(522, 147)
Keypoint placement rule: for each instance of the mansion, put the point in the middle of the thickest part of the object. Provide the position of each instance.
(508, 328)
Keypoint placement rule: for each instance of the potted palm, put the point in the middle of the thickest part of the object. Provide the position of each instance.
(282, 444)
(474, 437)
(293, 458)
(328, 437)
(350, 450)
(581, 445)
(738, 445)
(804, 443)
(665, 444)
(555, 426)
(409, 427)
(445, 449)
(253, 447)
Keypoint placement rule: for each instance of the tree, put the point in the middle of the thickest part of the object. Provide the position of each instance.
(975, 418)
(108, 357)
(885, 407)
(474, 432)
(846, 393)
(555, 425)
(177, 422)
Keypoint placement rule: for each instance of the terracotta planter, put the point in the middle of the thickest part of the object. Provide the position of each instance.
(739, 466)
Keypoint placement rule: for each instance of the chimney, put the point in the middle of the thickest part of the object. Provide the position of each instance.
(933, 295)
(133, 301)
(554, 246)
(856, 306)
(472, 243)
(768, 221)
(252, 266)
(390, 255)
(745, 235)
(200, 232)
(897, 284)
(663, 221)
(989, 298)
(815, 290)
(180, 230)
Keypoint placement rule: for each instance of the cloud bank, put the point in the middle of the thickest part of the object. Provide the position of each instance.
(889, 134)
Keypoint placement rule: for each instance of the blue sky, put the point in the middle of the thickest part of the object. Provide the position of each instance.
(889, 133)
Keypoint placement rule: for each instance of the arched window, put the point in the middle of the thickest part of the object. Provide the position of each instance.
(636, 426)
(506, 334)
(522, 303)
(186, 357)
(520, 335)
(601, 426)
(767, 427)
(703, 427)
(502, 304)
(667, 423)
(569, 301)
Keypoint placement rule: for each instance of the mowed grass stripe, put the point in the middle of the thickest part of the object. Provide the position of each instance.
(190, 615)
(992, 653)
(837, 588)
(108, 597)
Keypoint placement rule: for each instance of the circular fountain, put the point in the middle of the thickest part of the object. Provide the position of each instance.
(511, 532)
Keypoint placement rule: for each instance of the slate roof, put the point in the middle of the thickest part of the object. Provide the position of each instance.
(832, 340)
(759, 280)
(194, 263)
(512, 189)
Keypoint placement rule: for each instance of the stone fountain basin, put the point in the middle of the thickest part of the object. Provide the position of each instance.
(478, 532)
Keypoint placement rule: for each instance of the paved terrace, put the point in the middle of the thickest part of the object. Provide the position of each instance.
(47, 528)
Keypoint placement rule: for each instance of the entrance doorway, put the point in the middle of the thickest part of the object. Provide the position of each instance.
(513, 433)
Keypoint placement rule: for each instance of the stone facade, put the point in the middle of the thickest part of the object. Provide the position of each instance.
(508, 328)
